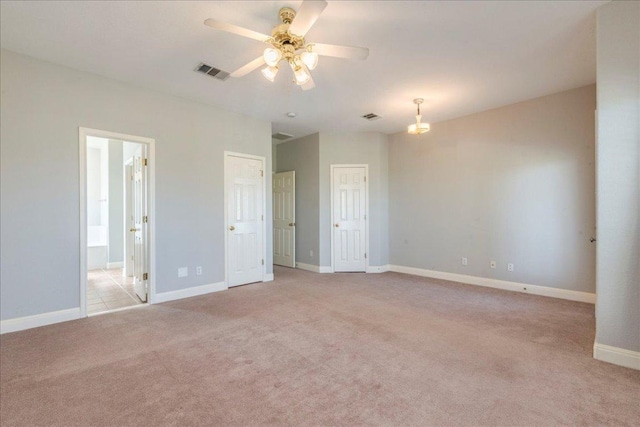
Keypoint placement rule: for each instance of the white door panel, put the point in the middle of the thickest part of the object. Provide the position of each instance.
(349, 219)
(244, 216)
(284, 219)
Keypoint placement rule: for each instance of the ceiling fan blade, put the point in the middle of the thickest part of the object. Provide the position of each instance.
(246, 69)
(306, 15)
(308, 85)
(234, 29)
(348, 52)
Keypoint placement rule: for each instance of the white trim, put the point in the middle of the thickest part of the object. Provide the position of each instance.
(115, 264)
(190, 292)
(264, 211)
(314, 268)
(268, 277)
(366, 230)
(617, 356)
(499, 284)
(37, 320)
(82, 137)
(377, 268)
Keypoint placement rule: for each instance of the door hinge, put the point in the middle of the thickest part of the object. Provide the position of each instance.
(144, 162)
(261, 173)
(365, 178)
(262, 262)
(365, 217)
(145, 219)
(365, 255)
(145, 276)
(262, 217)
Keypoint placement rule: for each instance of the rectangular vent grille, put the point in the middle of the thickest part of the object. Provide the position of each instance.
(281, 136)
(371, 116)
(211, 71)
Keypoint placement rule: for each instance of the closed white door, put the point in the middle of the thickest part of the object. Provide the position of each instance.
(140, 275)
(245, 218)
(284, 219)
(349, 219)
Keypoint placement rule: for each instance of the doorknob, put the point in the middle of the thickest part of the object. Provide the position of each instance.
(133, 230)
(336, 225)
(292, 224)
(231, 228)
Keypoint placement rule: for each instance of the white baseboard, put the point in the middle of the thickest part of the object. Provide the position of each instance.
(499, 284)
(189, 292)
(617, 356)
(115, 265)
(314, 268)
(268, 277)
(35, 321)
(377, 269)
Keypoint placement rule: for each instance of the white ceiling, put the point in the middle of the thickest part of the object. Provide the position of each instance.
(462, 57)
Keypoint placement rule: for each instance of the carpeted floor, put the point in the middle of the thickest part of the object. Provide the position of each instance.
(312, 349)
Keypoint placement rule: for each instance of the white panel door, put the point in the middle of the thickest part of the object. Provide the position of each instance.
(140, 276)
(244, 220)
(349, 214)
(284, 219)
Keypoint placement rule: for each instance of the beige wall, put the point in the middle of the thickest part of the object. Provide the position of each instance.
(515, 184)
(618, 277)
(42, 107)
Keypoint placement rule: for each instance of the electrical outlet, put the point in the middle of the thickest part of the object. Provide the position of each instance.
(198, 271)
(311, 254)
(183, 272)
(465, 261)
(509, 267)
(493, 264)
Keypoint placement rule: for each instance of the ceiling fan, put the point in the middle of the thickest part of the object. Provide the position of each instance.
(287, 43)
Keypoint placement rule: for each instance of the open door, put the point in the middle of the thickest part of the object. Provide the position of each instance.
(140, 222)
(284, 219)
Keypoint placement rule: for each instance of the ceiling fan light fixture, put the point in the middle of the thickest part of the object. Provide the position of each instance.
(270, 73)
(418, 127)
(272, 56)
(309, 58)
(300, 74)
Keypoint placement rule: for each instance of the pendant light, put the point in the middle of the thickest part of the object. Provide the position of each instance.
(418, 128)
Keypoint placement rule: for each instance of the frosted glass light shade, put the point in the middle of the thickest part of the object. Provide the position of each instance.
(301, 75)
(272, 56)
(270, 73)
(310, 59)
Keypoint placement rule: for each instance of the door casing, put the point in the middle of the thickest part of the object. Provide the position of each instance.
(150, 142)
(366, 173)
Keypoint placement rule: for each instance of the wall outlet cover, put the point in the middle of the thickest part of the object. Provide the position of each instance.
(183, 271)
(493, 264)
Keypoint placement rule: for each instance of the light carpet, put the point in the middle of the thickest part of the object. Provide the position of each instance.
(321, 349)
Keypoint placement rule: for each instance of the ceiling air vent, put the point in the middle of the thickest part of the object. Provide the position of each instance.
(371, 116)
(281, 136)
(211, 71)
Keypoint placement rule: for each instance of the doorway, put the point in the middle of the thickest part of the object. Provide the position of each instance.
(349, 208)
(116, 221)
(244, 218)
(284, 219)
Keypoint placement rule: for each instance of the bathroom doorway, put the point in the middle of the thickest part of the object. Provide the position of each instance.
(116, 217)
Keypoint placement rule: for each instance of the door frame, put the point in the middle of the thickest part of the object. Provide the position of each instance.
(366, 221)
(262, 159)
(83, 133)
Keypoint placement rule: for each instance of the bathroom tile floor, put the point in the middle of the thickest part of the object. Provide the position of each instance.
(108, 290)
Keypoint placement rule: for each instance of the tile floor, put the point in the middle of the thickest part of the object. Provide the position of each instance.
(108, 290)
